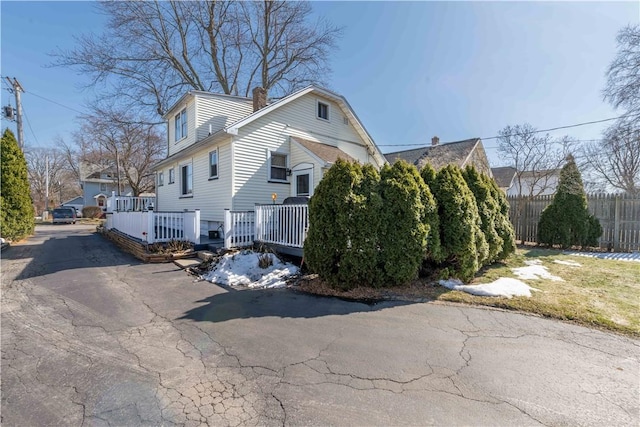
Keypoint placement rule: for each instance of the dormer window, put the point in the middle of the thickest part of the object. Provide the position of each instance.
(323, 111)
(181, 125)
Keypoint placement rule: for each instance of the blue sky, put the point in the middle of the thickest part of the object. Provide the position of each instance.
(411, 70)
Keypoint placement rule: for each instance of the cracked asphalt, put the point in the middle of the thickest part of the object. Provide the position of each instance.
(90, 336)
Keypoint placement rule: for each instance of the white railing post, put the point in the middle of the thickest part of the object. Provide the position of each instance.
(227, 229)
(111, 202)
(151, 226)
(191, 225)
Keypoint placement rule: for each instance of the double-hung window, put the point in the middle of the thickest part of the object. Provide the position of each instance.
(323, 111)
(186, 179)
(160, 179)
(213, 164)
(180, 128)
(172, 176)
(278, 167)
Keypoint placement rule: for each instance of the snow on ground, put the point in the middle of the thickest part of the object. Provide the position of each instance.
(570, 263)
(504, 286)
(242, 268)
(635, 256)
(535, 270)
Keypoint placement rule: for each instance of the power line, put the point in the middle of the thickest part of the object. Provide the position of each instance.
(57, 103)
(29, 123)
(536, 131)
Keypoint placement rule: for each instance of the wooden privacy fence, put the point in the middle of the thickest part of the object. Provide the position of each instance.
(619, 215)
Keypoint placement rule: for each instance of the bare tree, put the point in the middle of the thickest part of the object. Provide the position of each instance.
(152, 52)
(536, 157)
(623, 75)
(616, 159)
(108, 139)
(62, 184)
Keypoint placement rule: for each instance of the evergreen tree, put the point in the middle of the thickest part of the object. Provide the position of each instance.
(566, 221)
(434, 247)
(341, 245)
(16, 207)
(503, 224)
(404, 231)
(459, 224)
(488, 210)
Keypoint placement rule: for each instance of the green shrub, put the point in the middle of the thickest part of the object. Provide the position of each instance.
(566, 221)
(92, 212)
(503, 224)
(459, 224)
(434, 253)
(488, 210)
(341, 244)
(16, 206)
(404, 230)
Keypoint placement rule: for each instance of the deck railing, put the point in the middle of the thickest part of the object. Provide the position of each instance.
(149, 226)
(284, 225)
(239, 228)
(129, 203)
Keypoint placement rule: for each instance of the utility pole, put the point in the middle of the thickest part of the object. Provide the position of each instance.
(17, 90)
(46, 183)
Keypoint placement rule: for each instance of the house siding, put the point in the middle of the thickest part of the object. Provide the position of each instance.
(218, 112)
(271, 133)
(175, 146)
(210, 196)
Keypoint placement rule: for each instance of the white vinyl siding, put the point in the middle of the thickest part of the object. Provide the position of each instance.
(210, 196)
(217, 112)
(177, 145)
(271, 133)
(299, 156)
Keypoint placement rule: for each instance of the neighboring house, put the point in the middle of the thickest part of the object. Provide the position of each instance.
(461, 153)
(504, 177)
(98, 184)
(230, 152)
(534, 183)
(76, 202)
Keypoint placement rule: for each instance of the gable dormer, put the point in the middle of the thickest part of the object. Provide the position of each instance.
(198, 114)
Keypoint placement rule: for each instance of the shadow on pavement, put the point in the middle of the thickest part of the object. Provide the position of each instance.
(277, 303)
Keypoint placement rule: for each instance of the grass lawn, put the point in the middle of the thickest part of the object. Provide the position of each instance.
(600, 293)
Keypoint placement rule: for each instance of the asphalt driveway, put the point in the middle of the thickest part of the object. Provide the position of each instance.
(91, 336)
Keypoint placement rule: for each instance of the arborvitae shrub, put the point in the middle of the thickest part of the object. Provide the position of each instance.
(404, 231)
(488, 210)
(341, 242)
(504, 228)
(459, 223)
(566, 221)
(433, 254)
(16, 207)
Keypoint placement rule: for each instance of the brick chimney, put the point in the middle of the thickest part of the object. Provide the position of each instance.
(435, 141)
(259, 98)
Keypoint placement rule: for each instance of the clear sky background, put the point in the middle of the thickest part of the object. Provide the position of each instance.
(411, 70)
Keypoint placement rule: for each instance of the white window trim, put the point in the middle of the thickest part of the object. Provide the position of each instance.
(318, 102)
(302, 169)
(174, 175)
(178, 118)
(286, 167)
(160, 179)
(182, 166)
(217, 164)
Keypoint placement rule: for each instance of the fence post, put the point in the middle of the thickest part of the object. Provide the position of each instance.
(197, 224)
(151, 226)
(616, 225)
(227, 229)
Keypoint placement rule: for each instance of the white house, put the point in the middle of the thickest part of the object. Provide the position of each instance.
(229, 152)
(534, 183)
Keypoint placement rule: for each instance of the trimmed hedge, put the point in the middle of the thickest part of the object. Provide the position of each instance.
(503, 225)
(460, 233)
(488, 211)
(567, 221)
(92, 212)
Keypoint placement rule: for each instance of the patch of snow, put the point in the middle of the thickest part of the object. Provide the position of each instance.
(242, 269)
(535, 270)
(634, 256)
(503, 287)
(570, 263)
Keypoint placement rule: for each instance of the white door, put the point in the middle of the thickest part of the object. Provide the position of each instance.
(302, 180)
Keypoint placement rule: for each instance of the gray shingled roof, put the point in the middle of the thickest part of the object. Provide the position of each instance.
(437, 155)
(504, 176)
